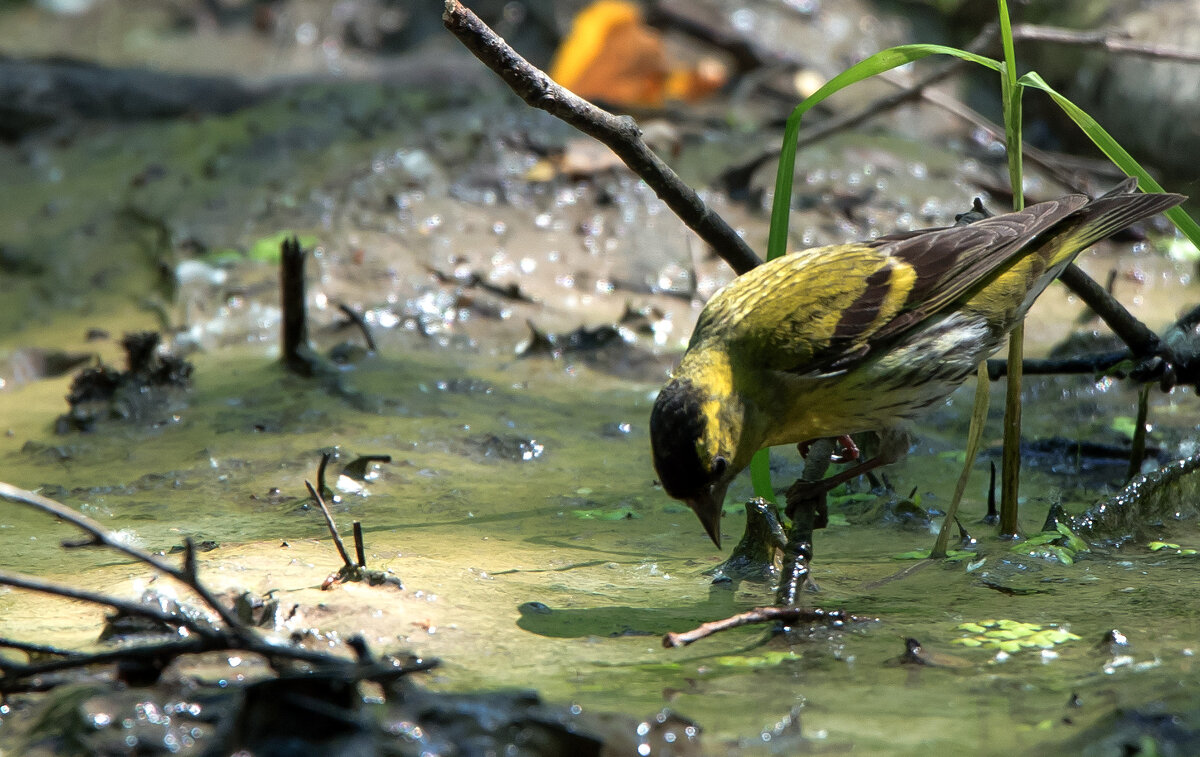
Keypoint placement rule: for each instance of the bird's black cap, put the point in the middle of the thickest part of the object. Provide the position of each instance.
(676, 424)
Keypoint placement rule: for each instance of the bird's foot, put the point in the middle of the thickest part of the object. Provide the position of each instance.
(807, 498)
(846, 452)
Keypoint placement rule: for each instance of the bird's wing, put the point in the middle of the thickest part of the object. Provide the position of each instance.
(826, 309)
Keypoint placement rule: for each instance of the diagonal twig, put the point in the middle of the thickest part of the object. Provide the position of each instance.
(337, 540)
(619, 133)
(125, 606)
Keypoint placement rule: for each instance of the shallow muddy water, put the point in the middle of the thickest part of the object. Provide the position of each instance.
(520, 509)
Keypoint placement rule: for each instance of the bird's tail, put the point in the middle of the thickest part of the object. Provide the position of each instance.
(1099, 219)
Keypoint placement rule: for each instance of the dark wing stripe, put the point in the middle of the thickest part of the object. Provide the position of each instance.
(958, 259)
(861, 313)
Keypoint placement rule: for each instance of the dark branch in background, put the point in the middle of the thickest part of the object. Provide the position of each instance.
(1090, 364)
(682, 16)
(1142, 342)
(360, 549)
(357, 319)
(1049, 163)
(836, 124)
(1154, 359)
(619, 133)
(297, 354)
(1172, 359)
(1113, 42)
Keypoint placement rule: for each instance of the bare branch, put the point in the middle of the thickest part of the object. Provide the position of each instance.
(619, 133)
(125, 606)
(1113, 42)
(1136, 335)
(105, 538)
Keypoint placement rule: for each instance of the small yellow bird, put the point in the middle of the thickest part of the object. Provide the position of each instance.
(858, 337)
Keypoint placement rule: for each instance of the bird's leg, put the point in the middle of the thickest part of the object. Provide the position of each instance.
(893, 444)
(806, 508)
(797, 555)
(847, 451)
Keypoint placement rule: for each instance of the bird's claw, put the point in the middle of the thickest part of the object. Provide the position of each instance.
(846, 452)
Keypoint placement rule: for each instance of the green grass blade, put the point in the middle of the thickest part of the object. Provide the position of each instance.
(868, 67)
(1115, 152)
(979, 413)
(1010, 91)
(760, 475)
(1010, 468)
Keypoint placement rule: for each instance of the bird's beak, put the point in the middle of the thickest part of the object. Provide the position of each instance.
(707, 507)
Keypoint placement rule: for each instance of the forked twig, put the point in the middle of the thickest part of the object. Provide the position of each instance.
(102, 537)
(203, 637)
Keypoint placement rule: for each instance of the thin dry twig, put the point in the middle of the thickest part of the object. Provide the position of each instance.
(102, 537)
(337, 540)
(619, 133)
(125, 606)
(203, 637)
(832, 618)
(1110, 41)
(357, 319)
(42, 649)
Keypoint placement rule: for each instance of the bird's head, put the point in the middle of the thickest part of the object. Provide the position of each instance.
(694, 455)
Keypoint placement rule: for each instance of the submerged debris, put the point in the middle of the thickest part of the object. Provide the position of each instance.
(511, 447)
(756, 556)
(147, 387)
(612, 348)
(581, 339)
(915, 653)
(1169, 493)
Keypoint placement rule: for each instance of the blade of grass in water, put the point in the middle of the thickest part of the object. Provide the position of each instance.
(1010, 467)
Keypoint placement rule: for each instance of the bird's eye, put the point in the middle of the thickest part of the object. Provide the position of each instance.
(719, 464)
